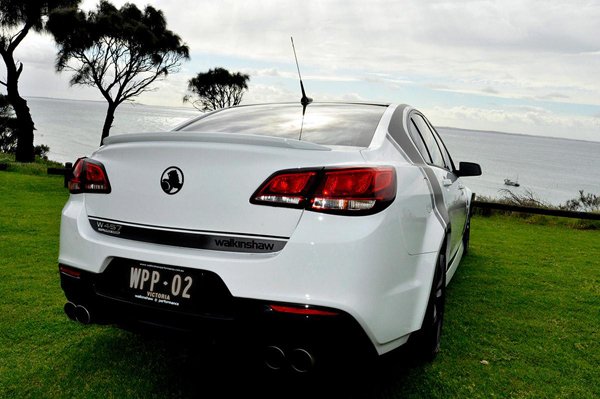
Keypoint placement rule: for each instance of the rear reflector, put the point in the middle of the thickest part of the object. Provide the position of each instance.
(69, 272)
(347, 191)
(89, 176)
(306, 310)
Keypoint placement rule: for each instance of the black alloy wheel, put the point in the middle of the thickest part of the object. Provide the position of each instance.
(427, 339)
(467, 236)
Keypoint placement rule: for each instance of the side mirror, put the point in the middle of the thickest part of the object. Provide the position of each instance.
(468, 169)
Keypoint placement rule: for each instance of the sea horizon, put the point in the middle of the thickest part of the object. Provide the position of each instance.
(190, 108)
(553, 168)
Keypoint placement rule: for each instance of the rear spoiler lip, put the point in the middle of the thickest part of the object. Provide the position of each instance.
(228, 138)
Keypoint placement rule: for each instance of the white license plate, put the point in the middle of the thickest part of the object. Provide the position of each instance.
(160, 284)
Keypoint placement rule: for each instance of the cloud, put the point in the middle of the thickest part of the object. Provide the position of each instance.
(554, 96)
(490, 90)
(268, 72)
(514, 51)
(386, 79)
(260, 93)
(518, 119)
(521, 48)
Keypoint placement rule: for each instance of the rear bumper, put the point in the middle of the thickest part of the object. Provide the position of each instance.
(232, 321)
(359, 266)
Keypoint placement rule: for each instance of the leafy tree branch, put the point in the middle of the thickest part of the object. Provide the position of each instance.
(215, 89)
(17, 19)
(120, 51)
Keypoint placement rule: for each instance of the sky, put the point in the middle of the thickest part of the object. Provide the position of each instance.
(521, 66)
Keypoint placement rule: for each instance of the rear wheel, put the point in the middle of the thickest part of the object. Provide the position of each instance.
(467, 237)
(427, 339)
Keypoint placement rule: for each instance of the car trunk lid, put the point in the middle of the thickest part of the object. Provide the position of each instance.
(184, 182)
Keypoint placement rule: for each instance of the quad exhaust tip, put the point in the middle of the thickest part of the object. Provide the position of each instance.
(78, 313)
(275, 358)
(300, 360)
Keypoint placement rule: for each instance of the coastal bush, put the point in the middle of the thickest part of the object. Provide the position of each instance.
(41, 151)
(585, 202)
(38, 168)
(526, 198)
(8, 141)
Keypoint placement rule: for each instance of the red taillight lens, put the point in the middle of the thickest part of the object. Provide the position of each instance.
(348, 191)
(287, 189)
(355, 189)
(89, 177)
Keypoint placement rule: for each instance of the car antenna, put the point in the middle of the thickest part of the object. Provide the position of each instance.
(304, 100)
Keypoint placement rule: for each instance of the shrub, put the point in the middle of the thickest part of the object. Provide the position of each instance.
(586, 202)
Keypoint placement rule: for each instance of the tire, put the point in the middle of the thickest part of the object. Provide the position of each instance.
(467, 237)
(426, 344)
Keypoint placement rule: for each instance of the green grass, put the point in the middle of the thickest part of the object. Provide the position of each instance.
(526, 300)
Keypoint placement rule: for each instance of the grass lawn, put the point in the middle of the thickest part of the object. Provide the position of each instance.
(522, 321)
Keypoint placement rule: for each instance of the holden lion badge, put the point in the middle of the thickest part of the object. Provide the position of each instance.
(171, 180)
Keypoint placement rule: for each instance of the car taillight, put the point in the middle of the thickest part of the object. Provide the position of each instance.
(347, 191)
(287, 189)
(89, 176)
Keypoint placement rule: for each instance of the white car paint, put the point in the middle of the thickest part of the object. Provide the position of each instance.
(377, 268)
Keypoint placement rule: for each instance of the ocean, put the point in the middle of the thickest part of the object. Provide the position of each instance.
(551, 168)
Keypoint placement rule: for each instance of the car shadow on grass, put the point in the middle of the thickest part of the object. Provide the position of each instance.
(142, 365)
(216, 370)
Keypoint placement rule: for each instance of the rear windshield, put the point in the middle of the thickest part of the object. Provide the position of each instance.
(327, 124)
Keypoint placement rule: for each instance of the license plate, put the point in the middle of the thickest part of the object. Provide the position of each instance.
(161, 285)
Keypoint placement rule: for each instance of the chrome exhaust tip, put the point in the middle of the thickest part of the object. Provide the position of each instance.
(274, 357)
(70, 310)
(82, 315)
(302, 361)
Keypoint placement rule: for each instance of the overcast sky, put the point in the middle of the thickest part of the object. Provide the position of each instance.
(522, 66)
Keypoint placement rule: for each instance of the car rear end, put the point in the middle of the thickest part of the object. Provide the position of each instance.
(283, 242)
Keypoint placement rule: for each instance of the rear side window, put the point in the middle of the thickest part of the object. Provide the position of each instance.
(445, 153)
(418, 140)
(433, 149)
(327, 124)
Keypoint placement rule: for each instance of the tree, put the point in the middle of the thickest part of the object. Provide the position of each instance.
(215, 89)
(8, 139)
(120, 51)
(17, 19)
(8, 127)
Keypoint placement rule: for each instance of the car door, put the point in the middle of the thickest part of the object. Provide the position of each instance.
(454, 201)
(459, 206)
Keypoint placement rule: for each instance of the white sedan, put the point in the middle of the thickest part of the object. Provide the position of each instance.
(303, 230)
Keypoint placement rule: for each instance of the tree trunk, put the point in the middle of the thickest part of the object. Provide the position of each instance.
(110, 117)
(25, 128)
(24, 124)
